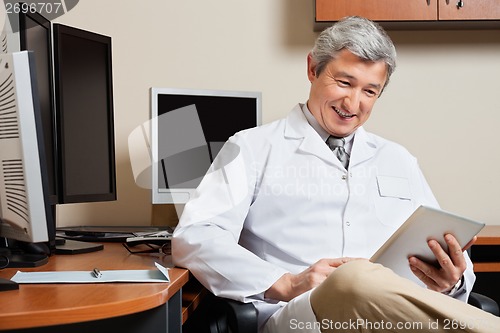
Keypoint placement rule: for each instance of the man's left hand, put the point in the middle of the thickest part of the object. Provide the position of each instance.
(452, 265)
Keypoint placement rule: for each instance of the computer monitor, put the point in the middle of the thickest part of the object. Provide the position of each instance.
(84, 104)
(3, 40)
(188, 128)
(25, 213)
(78, 130)
(35, 34)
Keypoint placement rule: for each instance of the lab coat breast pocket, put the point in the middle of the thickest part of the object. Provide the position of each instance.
(393, 200)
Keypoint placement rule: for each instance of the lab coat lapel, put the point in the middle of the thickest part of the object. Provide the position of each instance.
(298, 128)
(364, 147)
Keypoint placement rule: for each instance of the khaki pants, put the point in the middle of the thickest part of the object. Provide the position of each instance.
(363, 297)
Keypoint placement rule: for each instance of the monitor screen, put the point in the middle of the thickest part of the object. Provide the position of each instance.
(25, 212)
(35, 35)
(189, 127)
(84, 103)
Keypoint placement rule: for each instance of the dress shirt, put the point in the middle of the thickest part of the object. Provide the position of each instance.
(322, 132)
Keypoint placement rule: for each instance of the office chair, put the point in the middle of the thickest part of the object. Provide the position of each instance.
(484, 303)
(229, 316)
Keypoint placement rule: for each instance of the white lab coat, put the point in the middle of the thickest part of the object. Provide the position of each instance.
(284, 201)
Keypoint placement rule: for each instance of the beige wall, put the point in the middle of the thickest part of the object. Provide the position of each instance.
(446, 86)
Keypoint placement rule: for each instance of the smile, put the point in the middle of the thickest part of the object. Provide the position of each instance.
(343, 114)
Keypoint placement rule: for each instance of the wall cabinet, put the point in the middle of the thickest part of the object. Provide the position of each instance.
(418, 14)
(469, 10)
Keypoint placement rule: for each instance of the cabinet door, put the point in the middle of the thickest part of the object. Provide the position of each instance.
(377, 10)
(469, 9)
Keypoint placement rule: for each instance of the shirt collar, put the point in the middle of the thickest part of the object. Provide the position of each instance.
(320, 130)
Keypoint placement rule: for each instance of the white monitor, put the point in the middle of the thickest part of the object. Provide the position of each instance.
(188, 128)
(25, 213)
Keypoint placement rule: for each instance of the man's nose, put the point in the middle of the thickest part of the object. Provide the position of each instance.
(352, 100)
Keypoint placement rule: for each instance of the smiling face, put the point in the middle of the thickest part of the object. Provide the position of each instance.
(342, 96)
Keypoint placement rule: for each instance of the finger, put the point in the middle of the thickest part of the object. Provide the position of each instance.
(347, 259)
(313, 276)
(424, 272)
(441, 255)
(336, 262)
(455, 251)
(434, 278)
(332, 262)
(452, 265)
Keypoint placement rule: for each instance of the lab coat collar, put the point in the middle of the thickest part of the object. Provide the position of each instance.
(364, 147)
(297, 127)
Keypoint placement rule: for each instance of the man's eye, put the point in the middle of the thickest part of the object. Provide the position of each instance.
(371, 93)
(343, 83)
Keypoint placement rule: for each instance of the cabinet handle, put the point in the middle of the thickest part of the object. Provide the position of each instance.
(460, 3)
(428, 2)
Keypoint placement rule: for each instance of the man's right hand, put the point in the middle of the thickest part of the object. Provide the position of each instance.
(291, 285)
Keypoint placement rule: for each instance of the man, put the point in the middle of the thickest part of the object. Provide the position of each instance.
(316, 193)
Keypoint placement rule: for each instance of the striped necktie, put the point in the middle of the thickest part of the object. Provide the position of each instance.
(337, 146)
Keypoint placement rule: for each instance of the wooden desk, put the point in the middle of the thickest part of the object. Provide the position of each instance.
(110, 307)
(485, 254)
(490, 237)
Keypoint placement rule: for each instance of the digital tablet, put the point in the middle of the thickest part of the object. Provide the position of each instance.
(411, 239)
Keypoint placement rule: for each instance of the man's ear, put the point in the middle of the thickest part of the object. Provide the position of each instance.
(311, 68)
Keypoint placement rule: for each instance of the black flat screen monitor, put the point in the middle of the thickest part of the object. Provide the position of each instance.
(84, 104)
(35, 35)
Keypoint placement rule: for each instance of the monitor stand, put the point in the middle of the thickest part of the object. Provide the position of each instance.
(68, 246)
(22, 260)
(65, 246)
(18, 257)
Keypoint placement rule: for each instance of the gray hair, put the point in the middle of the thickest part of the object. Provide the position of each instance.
(362, 37)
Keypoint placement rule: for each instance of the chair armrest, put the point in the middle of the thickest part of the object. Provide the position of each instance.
(484, 303)
(236, 316)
